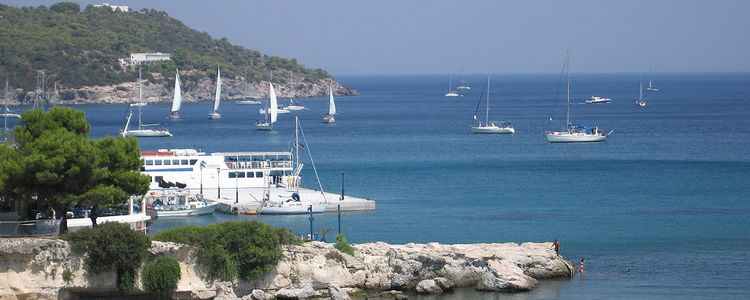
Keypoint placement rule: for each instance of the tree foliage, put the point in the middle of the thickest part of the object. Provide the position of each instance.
(343, 245)
(83, 48)
(246, 249)
(112, 246)
(160, 277)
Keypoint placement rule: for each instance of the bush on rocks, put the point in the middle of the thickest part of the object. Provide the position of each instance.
(160, 277)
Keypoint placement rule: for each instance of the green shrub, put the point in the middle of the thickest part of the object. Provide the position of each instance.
(342, 245)
(112, 246)
(230, 250)
(160, 277)
(67, 275)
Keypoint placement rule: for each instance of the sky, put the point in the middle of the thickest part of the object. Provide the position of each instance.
(354, 37)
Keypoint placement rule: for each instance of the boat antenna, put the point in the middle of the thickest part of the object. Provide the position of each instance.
(309, 153)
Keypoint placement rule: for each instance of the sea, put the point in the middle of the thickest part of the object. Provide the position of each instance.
(666, 196)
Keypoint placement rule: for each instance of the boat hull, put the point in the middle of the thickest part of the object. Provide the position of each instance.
(278, 111)
(293, 208)
(329, 119)
(147, 133)
(214, 116)
(575, 137)
(452, 94)
(265, 126)
(206, 210)
(247, 102)
(641, 103)
(492, 130)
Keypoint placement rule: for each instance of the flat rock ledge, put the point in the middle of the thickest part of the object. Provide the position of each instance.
(33, 267)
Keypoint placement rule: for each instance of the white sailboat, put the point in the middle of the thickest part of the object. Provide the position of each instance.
(6, 114)
(450, 92)
(214, 114)
(142, 131)
(489, 126)
(177, 99)
(292, 202)
(463, 86)
(329, 117)
(641, 101)
(651, 87)
(574, 133)
(267, 123)
(293, 105)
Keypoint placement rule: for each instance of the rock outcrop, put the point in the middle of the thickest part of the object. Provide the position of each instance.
(33, 267)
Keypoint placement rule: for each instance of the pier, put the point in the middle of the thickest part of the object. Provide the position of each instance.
(248, 200)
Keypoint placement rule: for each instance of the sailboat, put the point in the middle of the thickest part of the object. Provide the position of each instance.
(293, 105)
(331, 108)
(641, 101)
(7, 113)
(214, 114)
(463, 86)
(177, 99)
(651, 87)
(295, 203)
(574, 133)
(450, 92)
(141, 131)
(489, 126)
(267, 123)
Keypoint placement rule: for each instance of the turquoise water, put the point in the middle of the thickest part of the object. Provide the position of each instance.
(665, 196)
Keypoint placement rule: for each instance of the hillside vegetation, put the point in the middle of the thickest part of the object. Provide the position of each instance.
(77, 48)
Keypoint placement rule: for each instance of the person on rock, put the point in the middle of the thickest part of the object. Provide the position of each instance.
(556, 246)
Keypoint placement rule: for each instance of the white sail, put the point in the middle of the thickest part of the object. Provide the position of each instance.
(331, 103)
(272, 105)
(218, 91)
(177, 100)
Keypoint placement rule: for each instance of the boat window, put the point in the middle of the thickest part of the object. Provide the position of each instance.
(259, 174)
(250, 174)
(240, 174)
(149, 162)
(193, 161)
(175, 162)
(232, 175)
(158, 178)
(167, 162)
(157, 162)
(184, 162)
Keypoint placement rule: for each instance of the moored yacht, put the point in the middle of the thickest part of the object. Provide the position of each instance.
(597, 99)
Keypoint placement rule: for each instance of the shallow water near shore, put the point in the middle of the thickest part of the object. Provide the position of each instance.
(665, 196)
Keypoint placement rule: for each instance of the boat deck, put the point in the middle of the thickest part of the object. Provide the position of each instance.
(248, 200)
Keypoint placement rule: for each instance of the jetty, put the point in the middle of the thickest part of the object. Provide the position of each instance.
(248, 200)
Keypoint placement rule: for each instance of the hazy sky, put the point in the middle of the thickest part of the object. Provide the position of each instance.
(403, 37)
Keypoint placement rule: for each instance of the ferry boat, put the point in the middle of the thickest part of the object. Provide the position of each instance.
(200, 172)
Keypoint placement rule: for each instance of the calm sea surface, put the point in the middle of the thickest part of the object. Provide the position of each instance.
(666, 195)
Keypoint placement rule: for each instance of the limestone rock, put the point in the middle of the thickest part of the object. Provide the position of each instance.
(337, 293)
(503, 276)
(428, 286)
(445, 284)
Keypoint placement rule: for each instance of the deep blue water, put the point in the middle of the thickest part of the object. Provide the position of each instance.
(665, 196)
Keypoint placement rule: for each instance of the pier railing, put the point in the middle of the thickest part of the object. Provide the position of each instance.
(29, 228)
(260, 165)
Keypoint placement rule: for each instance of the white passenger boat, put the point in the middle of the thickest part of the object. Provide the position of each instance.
(574, 133)
(597, 99)
(177, 203)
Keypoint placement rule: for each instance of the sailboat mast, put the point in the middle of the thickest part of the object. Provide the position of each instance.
(640, 91)
(487, 111)
(140, 98)
(567, 67)
(296, 142)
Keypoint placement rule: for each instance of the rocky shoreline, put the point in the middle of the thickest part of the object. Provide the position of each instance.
(33, 267)
(192, 91)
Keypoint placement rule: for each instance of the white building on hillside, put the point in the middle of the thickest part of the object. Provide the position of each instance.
(148, 57)
(122, 8)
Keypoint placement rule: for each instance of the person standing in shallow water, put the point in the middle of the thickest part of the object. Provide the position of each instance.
(556, 246)
(580, 267)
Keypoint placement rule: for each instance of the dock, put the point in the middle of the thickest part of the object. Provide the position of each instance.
(248, 200)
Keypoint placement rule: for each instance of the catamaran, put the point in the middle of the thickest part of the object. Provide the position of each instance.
(574, 133)
(267, 123)
(641, 101)
(142, 131)
(177, 99)
(214, 114)
(489, 126)
(450, 92)
(329, 117)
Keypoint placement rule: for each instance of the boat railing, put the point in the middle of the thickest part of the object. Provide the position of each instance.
(260, 165)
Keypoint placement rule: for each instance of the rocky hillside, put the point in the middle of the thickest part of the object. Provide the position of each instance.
(87, 54)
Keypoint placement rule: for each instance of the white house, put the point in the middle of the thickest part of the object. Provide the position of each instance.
(122, 8)
(148, 57)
